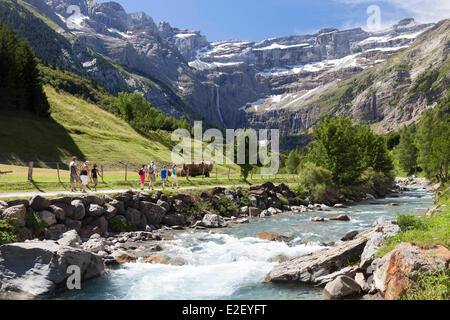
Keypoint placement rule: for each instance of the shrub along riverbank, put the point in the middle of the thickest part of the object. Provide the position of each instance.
(425, 232)
(344, 160)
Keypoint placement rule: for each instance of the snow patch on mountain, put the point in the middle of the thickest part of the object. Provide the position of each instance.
(255, 104)
(201, 65)
(282, 47)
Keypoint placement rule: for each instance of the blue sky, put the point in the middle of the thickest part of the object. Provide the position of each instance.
(261, 19)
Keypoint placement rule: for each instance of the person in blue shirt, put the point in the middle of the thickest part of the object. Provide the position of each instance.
(164, 177)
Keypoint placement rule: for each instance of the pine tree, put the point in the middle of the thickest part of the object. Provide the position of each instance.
(374, 152)
(8, 92)
(293, 161)
(434, 144)
(20, 83)
(407, 152)
(424, 139)
(441, 143)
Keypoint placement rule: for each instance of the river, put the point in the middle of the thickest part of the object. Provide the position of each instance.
(231, 264)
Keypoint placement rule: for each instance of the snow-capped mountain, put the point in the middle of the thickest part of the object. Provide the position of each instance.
(232, 83)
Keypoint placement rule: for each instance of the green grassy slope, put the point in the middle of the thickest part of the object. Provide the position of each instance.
(79, 128)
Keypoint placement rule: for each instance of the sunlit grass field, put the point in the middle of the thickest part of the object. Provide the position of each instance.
(47, 179)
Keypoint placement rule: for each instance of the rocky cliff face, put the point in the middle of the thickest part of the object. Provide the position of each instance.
(269, 84)
(388, 95)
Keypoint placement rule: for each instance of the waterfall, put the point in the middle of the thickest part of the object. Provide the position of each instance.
(218, 106)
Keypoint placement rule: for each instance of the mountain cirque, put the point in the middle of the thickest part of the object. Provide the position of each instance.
(286, 83)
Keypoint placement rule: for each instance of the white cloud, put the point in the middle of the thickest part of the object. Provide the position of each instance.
(421, 10)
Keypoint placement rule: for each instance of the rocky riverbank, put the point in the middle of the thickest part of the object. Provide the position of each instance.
(352, 268)
(97, 232)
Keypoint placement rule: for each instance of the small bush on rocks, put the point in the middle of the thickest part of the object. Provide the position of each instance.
(35, 223)
(283, 200)
(299, 201)
(121, 226)
(244, 199)
(227, 207)
(7, 232)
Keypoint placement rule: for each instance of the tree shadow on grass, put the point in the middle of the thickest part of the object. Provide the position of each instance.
(25, 137)
(37, 186)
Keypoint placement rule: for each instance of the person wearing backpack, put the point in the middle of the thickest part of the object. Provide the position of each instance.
(152, 175)
(142, 175)
(164, 177)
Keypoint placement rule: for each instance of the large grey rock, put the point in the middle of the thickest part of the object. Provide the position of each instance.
(66, 200)
(361, 280)
(152, 212)
(187, 199)
(119, 205)
(308, 268)
(95, 210)
(348, 271)
(94, 200)
(377, 235)
(70, 239)
(59, 212)
(174, 220)
(110, 212)
(38, 268)
(66, 207)
(95, 244)
(16, 212)
(17, 202)
(350, 236)
(48, 217)
(393, 272)
(78, 210)
(100, 223)
(213, 221)
(55, 231)
(39, 203)
(164, 204)
(143, 223)
(342, 287)
(133, 216)
(73, 224)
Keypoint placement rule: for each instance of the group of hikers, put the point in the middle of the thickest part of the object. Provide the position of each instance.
(84, 174)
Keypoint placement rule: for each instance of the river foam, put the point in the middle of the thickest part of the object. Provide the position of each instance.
(217, 265)
(231, 263)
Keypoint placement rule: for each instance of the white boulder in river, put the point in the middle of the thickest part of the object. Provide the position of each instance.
(309, 268)
(37, 268)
